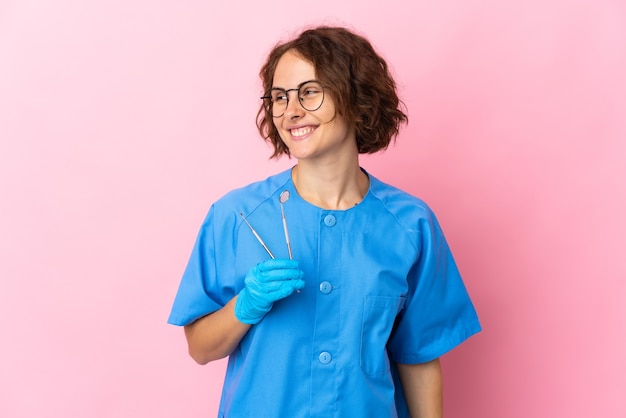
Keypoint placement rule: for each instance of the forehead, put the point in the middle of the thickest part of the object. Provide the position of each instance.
(291, 70)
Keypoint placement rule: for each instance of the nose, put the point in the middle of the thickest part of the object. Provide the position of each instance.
(294, 108)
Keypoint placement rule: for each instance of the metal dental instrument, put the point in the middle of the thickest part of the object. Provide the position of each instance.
(284, 196)
(256, 235)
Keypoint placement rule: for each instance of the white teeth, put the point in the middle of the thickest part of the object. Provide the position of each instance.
(301, 131)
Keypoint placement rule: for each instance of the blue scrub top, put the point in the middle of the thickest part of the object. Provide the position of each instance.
(381, 288)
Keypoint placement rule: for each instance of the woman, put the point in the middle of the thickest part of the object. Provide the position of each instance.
(332, 293)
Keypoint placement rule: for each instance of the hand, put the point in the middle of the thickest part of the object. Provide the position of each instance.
(266, 283)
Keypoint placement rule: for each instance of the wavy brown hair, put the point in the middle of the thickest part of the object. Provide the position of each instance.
(355, 76)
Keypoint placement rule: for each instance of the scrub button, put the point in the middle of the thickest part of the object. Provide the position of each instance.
(326, 287)
(330, 220)
(325, 357)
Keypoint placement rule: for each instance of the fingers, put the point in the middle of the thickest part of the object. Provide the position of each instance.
(275, 289)
(280, 275)
(277, 263)
(287, 288)
(277, 270)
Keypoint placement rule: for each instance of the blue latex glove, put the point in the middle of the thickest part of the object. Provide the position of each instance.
(266, 283)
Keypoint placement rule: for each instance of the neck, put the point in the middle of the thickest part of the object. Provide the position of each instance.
(331, 186)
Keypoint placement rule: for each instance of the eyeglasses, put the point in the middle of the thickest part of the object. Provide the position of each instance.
(310, 96)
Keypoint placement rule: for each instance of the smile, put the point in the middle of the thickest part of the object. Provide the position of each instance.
(299, 132)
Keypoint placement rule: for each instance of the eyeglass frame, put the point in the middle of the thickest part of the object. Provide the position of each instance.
(268, 96)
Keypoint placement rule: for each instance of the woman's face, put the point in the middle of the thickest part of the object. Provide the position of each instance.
(309, 135)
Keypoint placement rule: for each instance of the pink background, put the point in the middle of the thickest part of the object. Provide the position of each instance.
(121, 121)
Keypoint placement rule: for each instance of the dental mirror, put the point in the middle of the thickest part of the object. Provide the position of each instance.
(284, 196)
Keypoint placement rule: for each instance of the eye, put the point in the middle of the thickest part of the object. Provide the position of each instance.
(310, 90)
(279, 96)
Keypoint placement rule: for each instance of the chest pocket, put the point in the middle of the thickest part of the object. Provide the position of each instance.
(379, 314)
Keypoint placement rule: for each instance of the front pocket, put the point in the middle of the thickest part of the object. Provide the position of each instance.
(379, 315)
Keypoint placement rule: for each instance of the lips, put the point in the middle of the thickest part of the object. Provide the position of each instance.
(301, 132)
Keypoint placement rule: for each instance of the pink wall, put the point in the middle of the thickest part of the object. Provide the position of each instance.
(121, 121)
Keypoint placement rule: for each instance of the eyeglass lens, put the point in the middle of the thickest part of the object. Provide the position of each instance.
(310, 96)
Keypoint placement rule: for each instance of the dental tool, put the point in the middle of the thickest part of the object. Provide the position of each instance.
(257, 236)
(284, 196)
